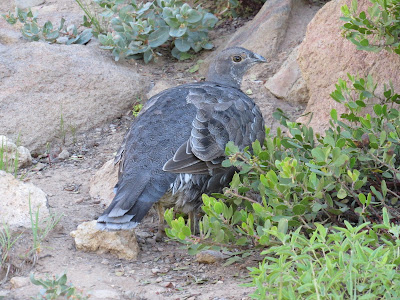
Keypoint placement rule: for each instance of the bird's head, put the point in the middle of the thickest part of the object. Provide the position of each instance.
(231, 64)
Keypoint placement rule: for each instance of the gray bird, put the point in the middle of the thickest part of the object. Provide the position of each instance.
(176, 145)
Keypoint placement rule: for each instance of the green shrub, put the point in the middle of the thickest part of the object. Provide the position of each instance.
(56, 287)
(136, 29)
(139, 28)
(337, 263)
(34, 32)
(296, 182)
(376, 29)
(350, 173)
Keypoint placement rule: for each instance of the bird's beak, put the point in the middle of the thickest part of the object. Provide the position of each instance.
(258, 58)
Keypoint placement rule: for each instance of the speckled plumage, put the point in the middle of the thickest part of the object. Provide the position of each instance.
(177, 143)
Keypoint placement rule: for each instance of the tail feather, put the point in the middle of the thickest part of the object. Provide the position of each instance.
(128, 208)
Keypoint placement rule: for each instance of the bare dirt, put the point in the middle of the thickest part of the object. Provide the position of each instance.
(163, 270)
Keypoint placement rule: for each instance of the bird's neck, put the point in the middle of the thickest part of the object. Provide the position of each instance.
(224, 78)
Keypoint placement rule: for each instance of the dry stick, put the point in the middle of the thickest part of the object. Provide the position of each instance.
(229, 192)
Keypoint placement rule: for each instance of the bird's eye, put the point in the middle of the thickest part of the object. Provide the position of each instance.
(237, 58)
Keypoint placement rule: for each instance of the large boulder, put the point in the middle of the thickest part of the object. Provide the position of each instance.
(14, 202)
(325, 55)
(45, 90)
(265, 33)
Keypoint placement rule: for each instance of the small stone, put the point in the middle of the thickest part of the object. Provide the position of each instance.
(18, 282)
(4, 293)
(64, 154)
(39, 166)
(168, 284)
(209, 256)
(155, 271)
(104, 294)
(13, 153)
(159, 279)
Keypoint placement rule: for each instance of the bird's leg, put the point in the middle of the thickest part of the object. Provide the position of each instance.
(193, 223)
(161, 232)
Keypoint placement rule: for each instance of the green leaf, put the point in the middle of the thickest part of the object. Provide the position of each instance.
(334, 114)
(193, 16)
(218, 207)
(341, 194)
(341, 160)
(182, 45)
(209, 20)
(299, 209)
(364, 42)
(235, 181)
(147, 56)
(159, 37)
(178, 32)
(319, 154)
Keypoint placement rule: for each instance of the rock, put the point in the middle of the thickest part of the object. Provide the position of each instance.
(159, 87)
(39, 166)
(23, 4)
(324, 58)
(209, 256)
(287, 83)
(266, 31)
(11, 151)
(263, 34)
(64, 154)
(18, 282)
(44, 82)
(104, 294)
(122, 243)
(4, 294)
(103, 182)
(14, 204)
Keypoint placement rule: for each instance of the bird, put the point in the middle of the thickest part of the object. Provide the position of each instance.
(174, 149)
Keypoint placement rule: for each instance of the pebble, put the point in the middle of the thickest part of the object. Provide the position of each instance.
(104, 294)
(209, 256)
(18, 282)
(4, 293)
(155, 270)
(64, 154)
(39, 166)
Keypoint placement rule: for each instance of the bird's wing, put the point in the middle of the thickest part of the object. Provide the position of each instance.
(223, 114)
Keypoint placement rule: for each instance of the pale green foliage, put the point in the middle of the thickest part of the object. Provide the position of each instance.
(34, 32)
(139, 28)
(7, 241)
(40, 229)
(339, 263)
(55, 287)
(376, 29)
(135, 29)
